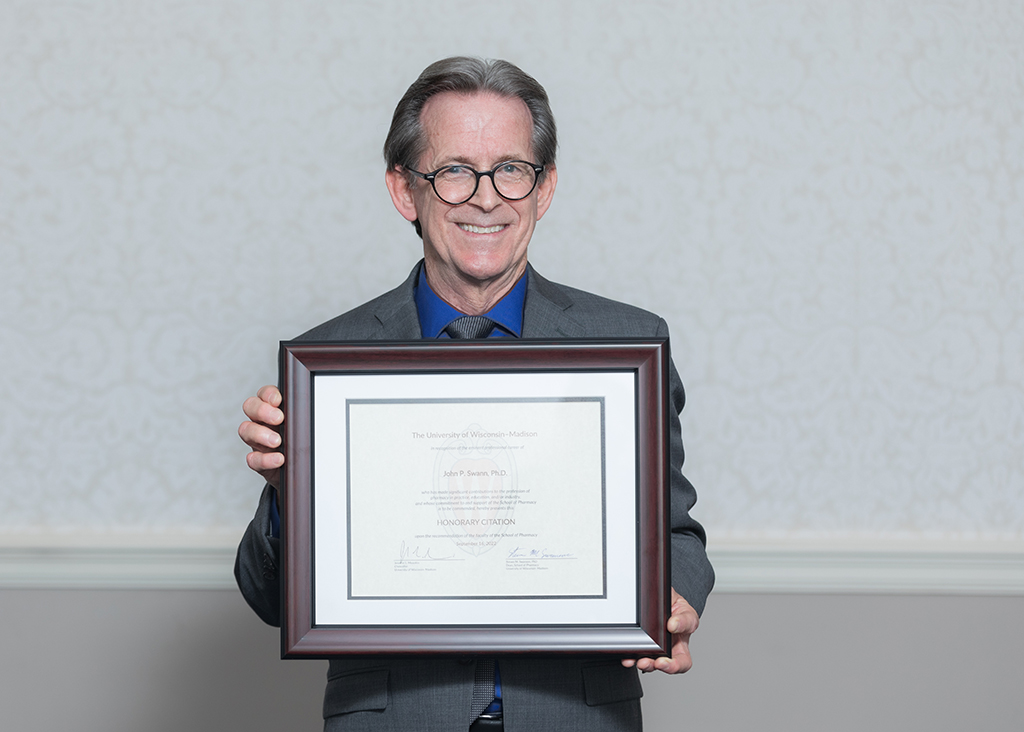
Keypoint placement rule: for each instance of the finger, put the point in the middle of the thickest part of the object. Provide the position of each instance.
(264, 461)
(683, 619)
(680, 661)
(672, 666)
(270, 394)
(684, 622)
(267, 464)
(259, 437)
(643, 664)
(263, 412)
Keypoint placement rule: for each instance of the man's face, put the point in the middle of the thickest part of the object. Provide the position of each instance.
(480, 243)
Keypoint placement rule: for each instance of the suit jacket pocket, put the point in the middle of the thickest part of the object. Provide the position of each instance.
(606, 683)
(359, 691)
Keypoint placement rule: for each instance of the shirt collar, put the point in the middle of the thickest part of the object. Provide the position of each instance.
(435, 314)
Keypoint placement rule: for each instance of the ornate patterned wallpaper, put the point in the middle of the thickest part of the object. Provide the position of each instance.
(825, 200)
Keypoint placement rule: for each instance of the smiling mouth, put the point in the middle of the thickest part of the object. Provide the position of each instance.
(482, 229)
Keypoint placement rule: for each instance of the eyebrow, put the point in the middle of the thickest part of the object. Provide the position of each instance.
(458, 160)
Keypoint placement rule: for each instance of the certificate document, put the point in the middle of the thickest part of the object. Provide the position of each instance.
(459, 498)
(454, 497)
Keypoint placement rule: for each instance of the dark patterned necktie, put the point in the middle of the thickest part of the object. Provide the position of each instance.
(470, 326)
(483, 687)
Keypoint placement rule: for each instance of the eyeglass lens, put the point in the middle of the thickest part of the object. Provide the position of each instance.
(457, 183)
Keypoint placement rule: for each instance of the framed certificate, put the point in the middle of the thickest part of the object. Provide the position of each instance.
(483, 496)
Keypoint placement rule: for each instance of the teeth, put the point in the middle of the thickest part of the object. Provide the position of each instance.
(481, 229)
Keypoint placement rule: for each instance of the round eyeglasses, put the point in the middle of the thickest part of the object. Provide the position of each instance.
(514, 180)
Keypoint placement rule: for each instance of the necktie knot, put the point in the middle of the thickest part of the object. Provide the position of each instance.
(470, 326)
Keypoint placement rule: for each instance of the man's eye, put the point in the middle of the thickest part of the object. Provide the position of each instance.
(456, 171)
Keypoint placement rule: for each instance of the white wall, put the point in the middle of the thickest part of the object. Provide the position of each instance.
(825, 201)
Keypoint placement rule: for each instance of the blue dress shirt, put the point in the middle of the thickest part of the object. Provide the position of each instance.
(435, 314)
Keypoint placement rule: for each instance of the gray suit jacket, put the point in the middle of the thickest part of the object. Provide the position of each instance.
(428, 694)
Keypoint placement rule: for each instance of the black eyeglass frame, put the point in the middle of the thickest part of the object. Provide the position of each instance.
(431, 177)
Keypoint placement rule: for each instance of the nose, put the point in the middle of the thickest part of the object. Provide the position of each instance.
(486, 196)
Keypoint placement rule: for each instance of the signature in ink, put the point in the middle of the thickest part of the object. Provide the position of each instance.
(407, 553)
(522, 553)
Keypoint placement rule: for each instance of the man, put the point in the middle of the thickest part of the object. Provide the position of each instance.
(471, 163)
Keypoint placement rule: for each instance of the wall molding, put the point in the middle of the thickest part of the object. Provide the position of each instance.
(86, 560)
(958, 567)
(164, 561)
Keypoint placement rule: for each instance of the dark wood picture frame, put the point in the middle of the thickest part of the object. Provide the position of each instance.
(647, 359)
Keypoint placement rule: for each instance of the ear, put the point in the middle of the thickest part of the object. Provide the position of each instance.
(397, 182)
(546, 190)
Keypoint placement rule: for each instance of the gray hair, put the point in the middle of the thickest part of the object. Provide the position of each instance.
(406, 142)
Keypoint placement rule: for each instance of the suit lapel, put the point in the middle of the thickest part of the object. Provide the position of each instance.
(548, 311)
(396, 311)
(402, 325)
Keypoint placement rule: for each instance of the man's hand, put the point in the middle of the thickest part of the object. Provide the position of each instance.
(257, 432)
(681, 624)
